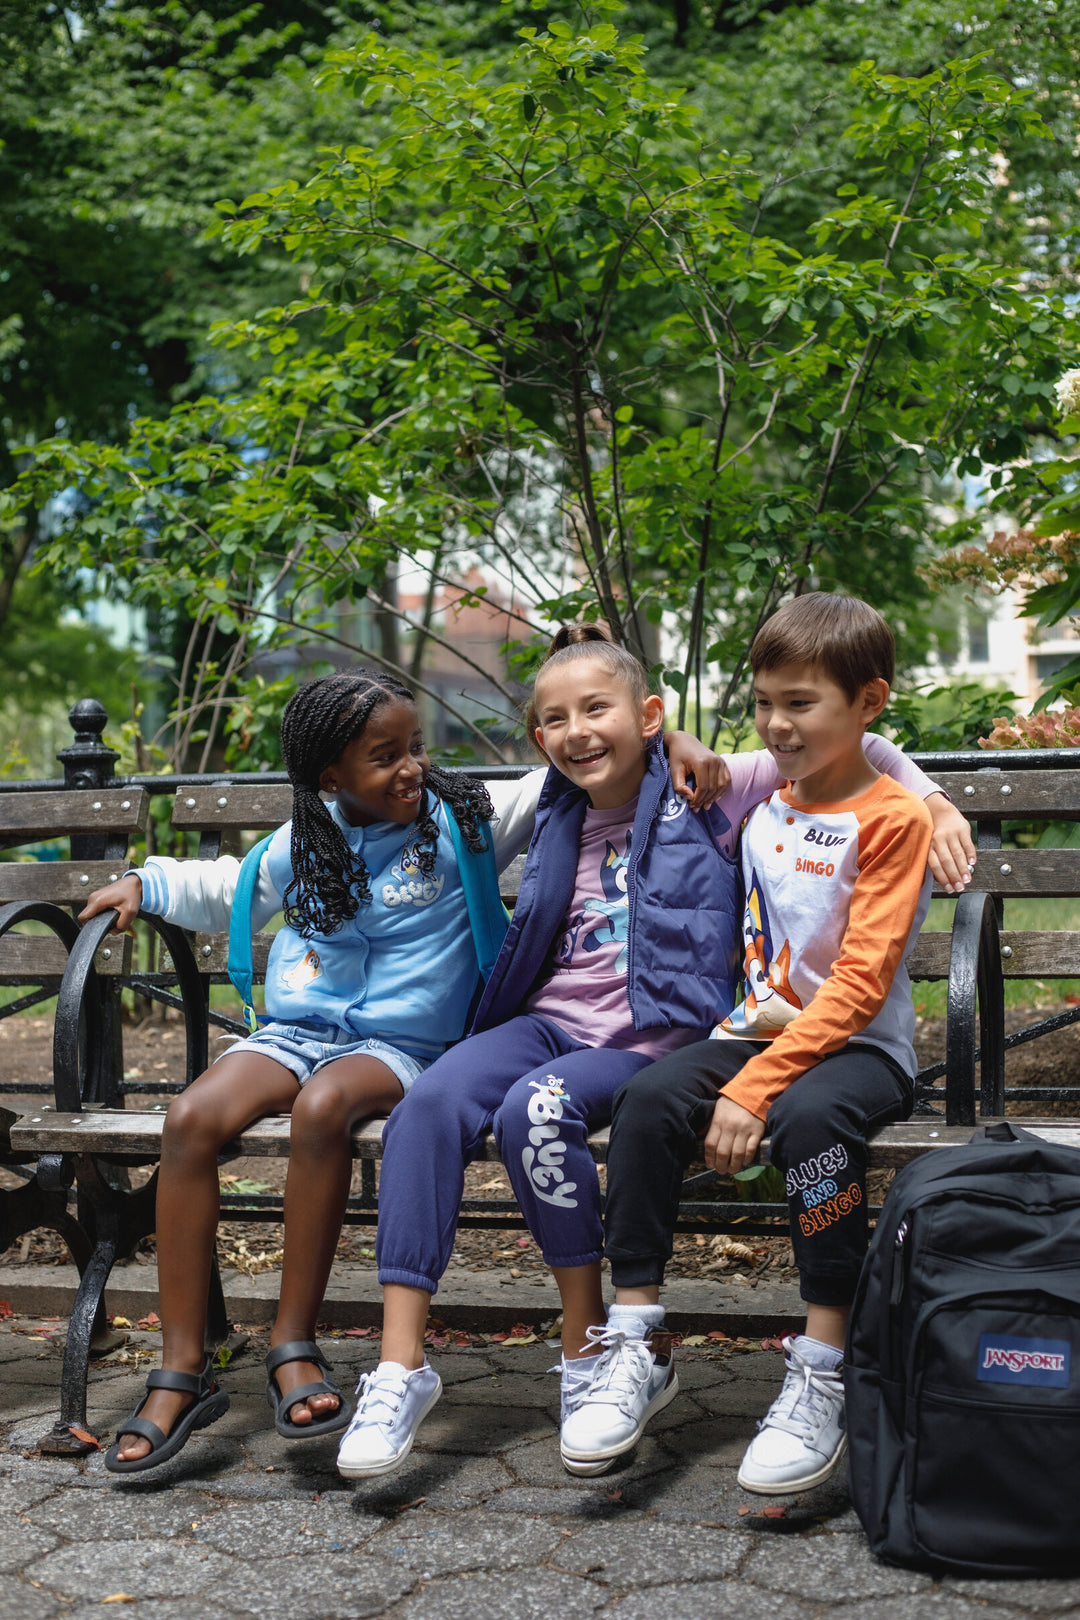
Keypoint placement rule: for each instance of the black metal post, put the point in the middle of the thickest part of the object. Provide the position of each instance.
(90, 763)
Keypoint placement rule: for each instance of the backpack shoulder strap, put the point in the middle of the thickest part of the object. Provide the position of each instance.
(240, 961)
(488, 917)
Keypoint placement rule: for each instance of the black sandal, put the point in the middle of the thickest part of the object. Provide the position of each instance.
(302, 1350)
(209, 1404)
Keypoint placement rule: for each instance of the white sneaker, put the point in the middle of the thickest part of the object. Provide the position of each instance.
(634, 1378)
(574, 1379)
(801, 1438)
(393, 1403)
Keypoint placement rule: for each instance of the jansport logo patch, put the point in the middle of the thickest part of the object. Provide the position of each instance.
(1004, 1360)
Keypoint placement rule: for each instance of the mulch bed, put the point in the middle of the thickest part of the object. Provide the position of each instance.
(155, 1049)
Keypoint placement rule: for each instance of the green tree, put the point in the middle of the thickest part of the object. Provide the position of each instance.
(120, 126)
(553, 324)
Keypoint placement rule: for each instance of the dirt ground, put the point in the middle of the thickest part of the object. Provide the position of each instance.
(154, 1050)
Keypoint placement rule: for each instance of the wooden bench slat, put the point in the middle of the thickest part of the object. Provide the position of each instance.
(1035, 795)
(42, 956)
(30, 816)
(212, 953)
(1025, 955)
(1039, 955)
(125, 1132)
(929, 957)
(1032, 873)
(251, 808)
(64, 882)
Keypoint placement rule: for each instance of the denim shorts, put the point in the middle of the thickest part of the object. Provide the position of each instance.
(304, 1049)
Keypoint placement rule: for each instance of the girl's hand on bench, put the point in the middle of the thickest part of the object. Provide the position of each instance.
(689, 757)
(125, 895)
(952, 852)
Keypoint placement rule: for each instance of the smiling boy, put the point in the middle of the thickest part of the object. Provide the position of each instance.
(819, 1051)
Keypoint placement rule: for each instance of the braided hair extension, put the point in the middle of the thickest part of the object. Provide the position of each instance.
(330, 880)
(587, 641)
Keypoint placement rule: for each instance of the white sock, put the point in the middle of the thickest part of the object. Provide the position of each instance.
(817, 1354)
(635, 1320)
(578, 1370)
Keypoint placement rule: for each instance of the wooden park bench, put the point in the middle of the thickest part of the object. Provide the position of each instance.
(93, 1135)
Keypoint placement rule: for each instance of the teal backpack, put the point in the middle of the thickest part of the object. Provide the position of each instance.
(488, 917)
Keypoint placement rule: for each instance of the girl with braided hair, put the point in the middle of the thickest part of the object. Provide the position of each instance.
(370, 978)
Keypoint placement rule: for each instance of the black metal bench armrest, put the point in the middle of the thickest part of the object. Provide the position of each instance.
(77, 1087)
(974, 976)
(64, 926)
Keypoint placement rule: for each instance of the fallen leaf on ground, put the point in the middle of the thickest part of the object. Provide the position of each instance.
(772, 1344)
(405, 1506)
(241, 1259)
(119, 1597)
(118, 1322)
(86, 1437)
(743, 1511)
(5, 1309)
(774, 1512)
(129, 1356)
(695, 1339)
(357, 1333)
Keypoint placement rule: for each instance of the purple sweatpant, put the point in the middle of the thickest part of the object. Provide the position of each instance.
(542, 1093)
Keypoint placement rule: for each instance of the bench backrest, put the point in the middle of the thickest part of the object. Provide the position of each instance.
(105, 820)
(990, 797)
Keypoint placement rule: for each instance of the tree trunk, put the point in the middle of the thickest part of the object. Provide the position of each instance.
(416, 668)
(387, 623)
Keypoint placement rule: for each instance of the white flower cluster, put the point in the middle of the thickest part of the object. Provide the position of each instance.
(1067, 389)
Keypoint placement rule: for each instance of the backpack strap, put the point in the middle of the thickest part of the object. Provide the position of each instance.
(240, 962)
(488, 917)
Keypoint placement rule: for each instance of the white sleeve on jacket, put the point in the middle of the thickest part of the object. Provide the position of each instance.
(199, 894)
(515, 805)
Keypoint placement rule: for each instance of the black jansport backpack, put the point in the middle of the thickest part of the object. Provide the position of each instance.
(962, 1370)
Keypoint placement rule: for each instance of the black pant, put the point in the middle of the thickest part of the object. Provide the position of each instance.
(818, 1130)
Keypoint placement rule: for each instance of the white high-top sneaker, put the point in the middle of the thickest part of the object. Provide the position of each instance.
(801, 1438)
(634, 1377)
(575, 1377)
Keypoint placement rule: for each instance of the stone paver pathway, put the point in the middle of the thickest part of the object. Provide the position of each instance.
(481, 1522)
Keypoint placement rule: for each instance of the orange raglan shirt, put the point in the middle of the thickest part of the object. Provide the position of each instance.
(835, 897)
